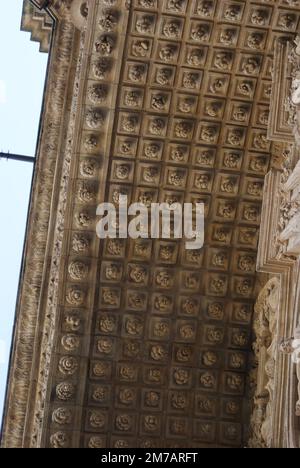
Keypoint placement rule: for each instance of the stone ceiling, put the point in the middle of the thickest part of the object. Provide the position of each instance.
(185, 120)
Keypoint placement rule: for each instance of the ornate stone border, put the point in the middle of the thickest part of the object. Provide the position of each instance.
(278, 255)
(47, 175)
(38, 23)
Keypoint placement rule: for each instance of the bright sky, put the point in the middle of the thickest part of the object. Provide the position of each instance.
(22, 75)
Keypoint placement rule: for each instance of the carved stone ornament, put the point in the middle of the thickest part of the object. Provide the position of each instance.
(124, 343)
(274, 422)
(265, 326)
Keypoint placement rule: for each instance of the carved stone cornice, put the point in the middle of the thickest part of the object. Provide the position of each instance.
(76, 10)
(39, 16)
(39, 23)
(279, 128)
(51, 293)
(30, 320)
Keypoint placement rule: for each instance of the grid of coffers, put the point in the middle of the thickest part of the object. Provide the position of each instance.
(172, 328)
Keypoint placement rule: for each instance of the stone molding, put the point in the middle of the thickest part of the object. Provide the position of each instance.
(279, 128)
(265, 327)
(28, 327)
(278, 255)
(38, 23)
(76, 10)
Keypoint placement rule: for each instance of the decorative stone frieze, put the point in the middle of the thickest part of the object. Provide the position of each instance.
(38, 23)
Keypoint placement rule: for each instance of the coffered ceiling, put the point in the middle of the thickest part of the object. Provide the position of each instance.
(154, 340)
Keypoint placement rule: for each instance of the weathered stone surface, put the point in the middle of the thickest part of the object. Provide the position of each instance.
(38, 23)
(123, 343)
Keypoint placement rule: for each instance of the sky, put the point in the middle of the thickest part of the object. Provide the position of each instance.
(22, 77)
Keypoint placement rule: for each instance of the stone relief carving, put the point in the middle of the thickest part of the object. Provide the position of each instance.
(289, 212)
(74, 10)
(265, 326)
(293, 101)
(291, 347)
